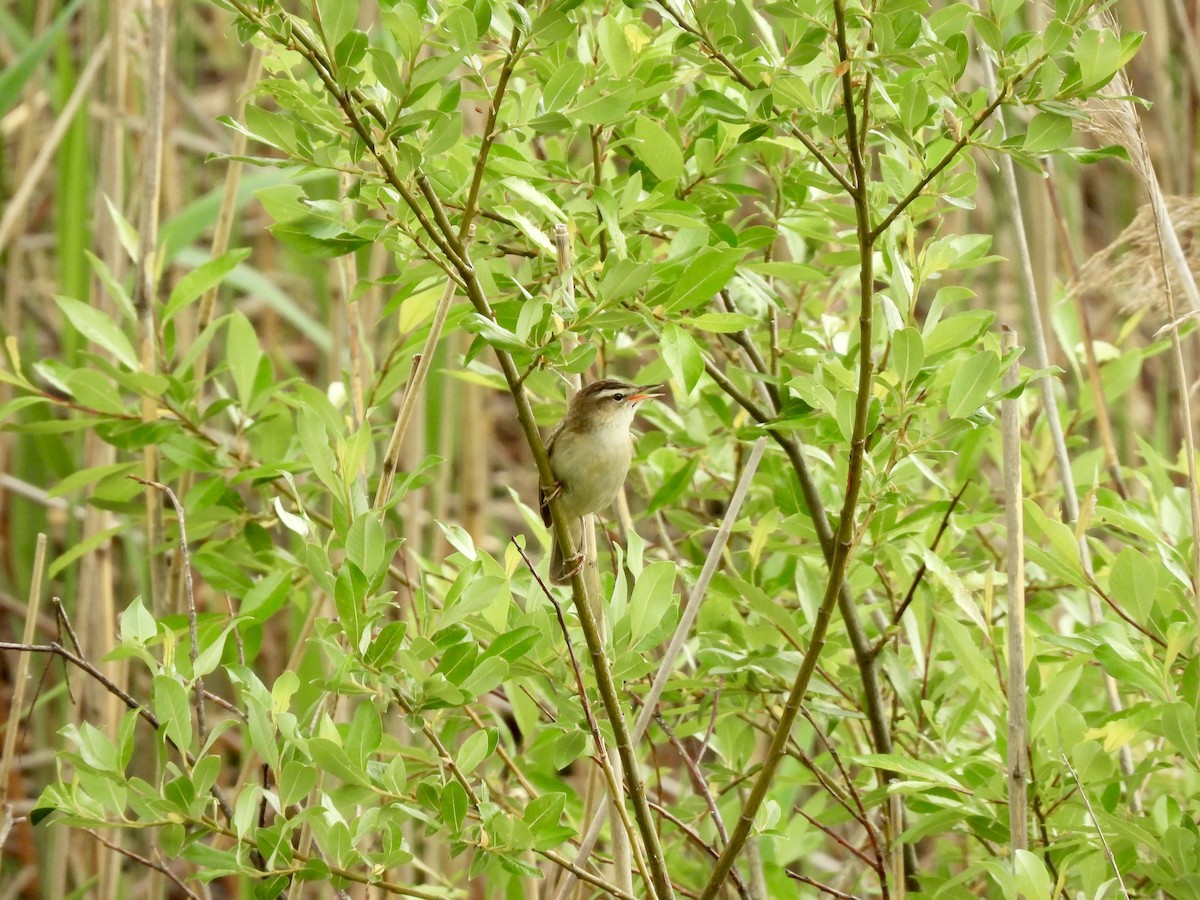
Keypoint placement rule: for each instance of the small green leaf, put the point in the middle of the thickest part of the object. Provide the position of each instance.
(1047, 133)
(454, 806)
(498, 337)
(908, 354)
(137, 624)
(18, 71)
(614, 45)
(658, 149)
(349, 594)
(333, 760)
(383, 649)
(706, 273)
(200, 279)
(364, 734)
(99, 329)
(1133, 581)
(1032, 879)
(722, 323)
(682, 356)
(242, 352)
(652, 599)
(208, 658)
(296, 782)
(474, 750)
(487, 675)
(170, 703)
(563, 85)
(366, 545)
(977, 378)
(337, 18)
(1179, 726)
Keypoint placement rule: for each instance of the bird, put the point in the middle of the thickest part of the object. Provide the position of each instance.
(590, 451)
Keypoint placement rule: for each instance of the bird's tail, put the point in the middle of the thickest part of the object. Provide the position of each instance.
(562, 570)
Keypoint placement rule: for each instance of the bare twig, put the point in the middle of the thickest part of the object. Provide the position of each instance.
(189, 595)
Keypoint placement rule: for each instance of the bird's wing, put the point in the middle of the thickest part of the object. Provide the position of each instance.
(543, 500)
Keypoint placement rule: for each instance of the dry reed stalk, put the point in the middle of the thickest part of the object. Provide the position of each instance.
(1104, 428)
(1033, 315)
(95, 602)
(1018, 797)
(413, 390)
(145, 295)
(16, 208)
(1116, 118)
(20, 678)
(222, 230)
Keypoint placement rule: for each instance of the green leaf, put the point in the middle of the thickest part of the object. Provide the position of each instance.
(652, 599)
(1133, 582)
(349, 594)
(956, 331)
(18, 72)
(116, 290)
(474, 750)
(208, 658)
(499, 337)
(1047, 133)
(721, 323)
(614, 45)
(337, 18)
(137, 624)
(1098, 53)
(1179, 726)
(81, 548)
(658, 149)
(976, 378)
(706, 273)
(603, 103)
(366, 545)
(908, 354)
(364, 734)
(200, 279)
(914, 768)
(170, 704)
(563, 85)
(543, 816)
(99, 329)
(454, 806)
(487, 675)
(682, 356)
(242, 352)
(317, 452)
(333, 760)
(296, 782)
(383, 649)
(1032, 879)
(83, 477)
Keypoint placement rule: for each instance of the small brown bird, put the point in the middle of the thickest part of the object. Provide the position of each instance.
(590, 451)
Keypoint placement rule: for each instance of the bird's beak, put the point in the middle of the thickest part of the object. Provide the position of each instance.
(648, 392)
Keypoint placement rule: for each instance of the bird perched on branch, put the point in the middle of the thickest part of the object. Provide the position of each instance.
(590, 451)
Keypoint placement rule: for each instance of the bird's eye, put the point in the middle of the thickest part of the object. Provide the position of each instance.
(618, 397)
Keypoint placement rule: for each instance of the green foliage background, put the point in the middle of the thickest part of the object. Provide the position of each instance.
(791, 213)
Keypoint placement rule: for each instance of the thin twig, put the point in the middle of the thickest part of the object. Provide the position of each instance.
(1096, 822)
(186, 563)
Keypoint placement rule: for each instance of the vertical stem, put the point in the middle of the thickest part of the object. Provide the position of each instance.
(1018, 801)
(17, 700)
(1041, 358)
(844, 537)
(146, 284)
